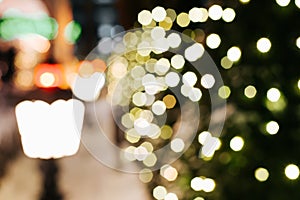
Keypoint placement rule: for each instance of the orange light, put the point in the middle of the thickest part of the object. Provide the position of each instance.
(49, 75)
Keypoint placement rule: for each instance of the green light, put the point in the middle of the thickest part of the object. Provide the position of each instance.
(14, 27)
(72, 32)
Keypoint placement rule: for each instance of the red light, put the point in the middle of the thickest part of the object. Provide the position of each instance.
(49, 75)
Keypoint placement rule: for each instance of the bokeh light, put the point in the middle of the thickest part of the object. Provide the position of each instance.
(224, 92)
(272, 127)
(234, 54)
(292, 171)
(159, 192)
(237, 143)
(250, 91)
(213, 41)
(261, 174)
(228, 15)
(207, 81)
(273, 94)
(183, 20)
(145, 17)
(263, 45)
(215, 12)
(159, 14)
(283, 3)
(298, 39)
(226, 63)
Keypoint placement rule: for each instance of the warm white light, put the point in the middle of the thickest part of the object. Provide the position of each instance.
(50, 131)
(140, 153)
(159, 14)
(159, 192)
(283, 3)
(47, 79)
(162, 66)
(194, 52)
(272, 127)
(273, 94)
(171, 196)
(263, 45)
(174, 40)
(177, 145)
(298, 39)
(236, 143)
(198, 14)
(172, 79)
(224, 92)
(250, 91)
(169, 173)
(299, 84)
(213, 41)
(207, 81)
(203, 136)
(208, 185)
(292, 171)
(244, 1)
(88, 88)
(197, 183)
(215, 12)
(159, 107)
(139, 98)
(234, 54)
(228, 15)
(261, 174)
(145, 17)
(195, 94)
(177, 61)
(189, 78)
(297, 3)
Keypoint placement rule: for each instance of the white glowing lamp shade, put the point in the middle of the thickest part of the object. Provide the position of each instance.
(50, 130)
(88, 88)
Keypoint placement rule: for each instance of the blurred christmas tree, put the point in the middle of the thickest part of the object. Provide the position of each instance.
(256, 46)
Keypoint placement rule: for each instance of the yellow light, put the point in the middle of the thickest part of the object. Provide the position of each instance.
(145, 17)
(237, 143)
(244, 1)
(166, 132)
(139, 99)
(272, 127)
(283, 3)
(292, 171)
(273, 94)
(234, 54)
(213, 41)
(171, 196)
(177, 145)
(298, 39)
(166, 24)
(226, 63)
(224, 92)
(159, 14)
(159, 192)
(263, 45)
(207, 81)
(145, 175)
(183, 19)
(215, 12)
(150, 160)
(172, 14)
(228, 15)
(24, 79)
(261, 174)
(47, 79)
(170, 101)
(250, 91)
